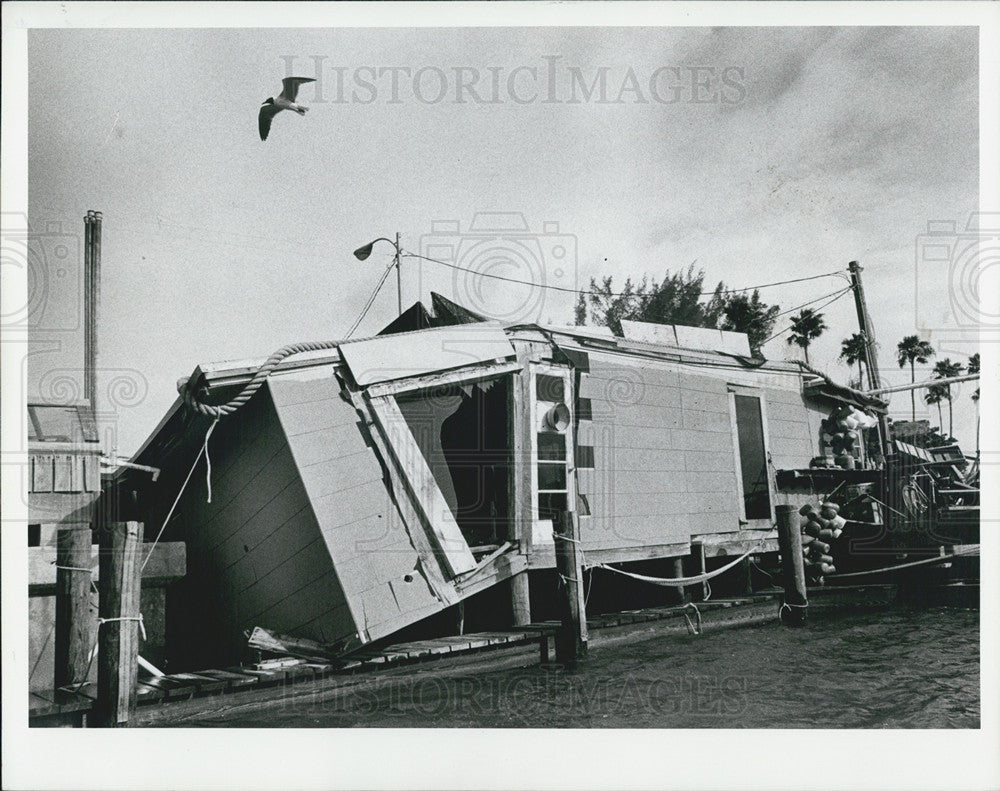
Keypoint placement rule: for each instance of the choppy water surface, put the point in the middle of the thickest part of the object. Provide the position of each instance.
(875, 669)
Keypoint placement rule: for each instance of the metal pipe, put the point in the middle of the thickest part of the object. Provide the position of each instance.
(919, 385)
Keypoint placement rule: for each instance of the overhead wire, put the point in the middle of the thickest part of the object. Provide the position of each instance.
(825, 304)
(565, 289)
(369, 303)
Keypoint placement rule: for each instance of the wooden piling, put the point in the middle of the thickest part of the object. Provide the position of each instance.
(571, 639)
(520, 599)
(699, 591)
(74, 639)
(678, 595)
(118, 631)
(793, 573)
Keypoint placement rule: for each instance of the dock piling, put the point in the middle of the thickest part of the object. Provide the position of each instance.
(793, 573)
(571, 639)
(73, 639)
(119, 622)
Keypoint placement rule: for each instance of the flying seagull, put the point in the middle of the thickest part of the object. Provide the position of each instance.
(283, 101)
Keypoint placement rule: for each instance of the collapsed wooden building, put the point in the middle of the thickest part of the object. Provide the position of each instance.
(367, 487)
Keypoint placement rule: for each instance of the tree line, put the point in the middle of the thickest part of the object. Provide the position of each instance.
(680, 299)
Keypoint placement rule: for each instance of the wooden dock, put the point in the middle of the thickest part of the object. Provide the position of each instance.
(72, 707)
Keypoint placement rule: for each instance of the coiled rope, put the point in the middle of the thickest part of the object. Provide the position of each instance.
(187, 391)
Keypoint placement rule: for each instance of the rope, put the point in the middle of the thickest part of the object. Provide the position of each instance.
(208, 460)
(927, 561)
(691, 627)
(680, 582)
(93, 651)
(186, 386)
(177, 499)
(566, 538)
(72, 568)
(787, 606)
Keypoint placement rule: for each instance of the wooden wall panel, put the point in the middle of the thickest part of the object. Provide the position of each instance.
(371, 551)
(663, 456)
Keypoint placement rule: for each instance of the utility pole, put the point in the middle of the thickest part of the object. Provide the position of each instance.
(399, 280)
(868, 332)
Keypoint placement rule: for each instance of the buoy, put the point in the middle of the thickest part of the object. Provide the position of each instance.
(806, 540)
(829, 510)
(824, 524)
(826, 535)
(837, 523)
(837, 534)
(824, 559)
(828, 568)
(811, 529)
(818, 547)
(806, 509)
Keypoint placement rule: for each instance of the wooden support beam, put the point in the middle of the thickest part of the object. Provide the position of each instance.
(118, 627)
(73, 640)
(571, 639)
(699, 591)
(677, 595)
(520, 599)
(793, 573)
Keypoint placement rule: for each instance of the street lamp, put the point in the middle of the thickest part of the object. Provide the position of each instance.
(362, 254)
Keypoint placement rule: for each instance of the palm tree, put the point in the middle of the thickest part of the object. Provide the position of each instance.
(945, 369)
(973, 368)
(807, 326)
(853, 350)
(913, 350)
(935, 395)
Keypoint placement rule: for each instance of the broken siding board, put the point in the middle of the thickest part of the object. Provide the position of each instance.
(422, 485)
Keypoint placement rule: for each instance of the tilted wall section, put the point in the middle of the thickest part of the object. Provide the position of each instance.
(376, 564)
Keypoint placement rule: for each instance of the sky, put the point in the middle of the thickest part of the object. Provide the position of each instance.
(758, 154)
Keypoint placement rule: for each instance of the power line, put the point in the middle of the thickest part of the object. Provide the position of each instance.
(838, 292)
(838, 296)
(369, 303)
(611, 293)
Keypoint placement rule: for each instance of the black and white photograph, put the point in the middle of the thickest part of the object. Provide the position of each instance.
(500, 395)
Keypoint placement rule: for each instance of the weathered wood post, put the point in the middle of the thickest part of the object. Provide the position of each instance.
(74, 639)
(118, 630)
(699, 591)
(678, 595)
(571, 639)
(520, 599)
(793, 572)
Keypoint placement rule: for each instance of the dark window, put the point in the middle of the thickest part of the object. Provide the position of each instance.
(753, 461)
(34, 535)
(549, 388)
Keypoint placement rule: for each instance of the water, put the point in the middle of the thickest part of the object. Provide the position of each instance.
(875, 669)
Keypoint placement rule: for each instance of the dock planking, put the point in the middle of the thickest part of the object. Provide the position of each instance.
(182, 686)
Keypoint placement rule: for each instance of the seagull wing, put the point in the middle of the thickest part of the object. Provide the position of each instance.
(290, 86)
(267, 112)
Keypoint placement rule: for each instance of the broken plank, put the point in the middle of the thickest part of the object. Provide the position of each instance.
(232, 679)
(172, 688)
